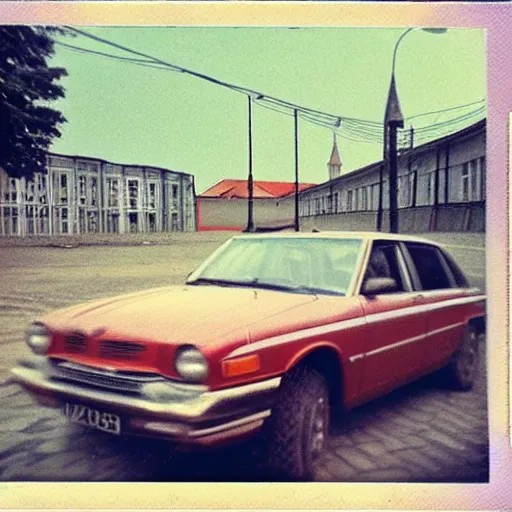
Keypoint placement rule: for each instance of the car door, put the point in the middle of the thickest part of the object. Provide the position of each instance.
(396, 323)
(445, 294)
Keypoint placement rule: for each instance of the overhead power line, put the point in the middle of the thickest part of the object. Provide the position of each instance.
(359, 130)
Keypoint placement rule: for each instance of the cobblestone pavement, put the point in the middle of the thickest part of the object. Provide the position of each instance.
(420, 433)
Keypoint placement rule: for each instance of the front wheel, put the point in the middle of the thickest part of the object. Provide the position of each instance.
(461, 371)
(299, 425)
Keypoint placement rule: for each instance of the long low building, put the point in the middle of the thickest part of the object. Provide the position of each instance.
(441, 187)
(88, 195)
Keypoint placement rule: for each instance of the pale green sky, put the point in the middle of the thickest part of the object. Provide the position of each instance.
(132, 114)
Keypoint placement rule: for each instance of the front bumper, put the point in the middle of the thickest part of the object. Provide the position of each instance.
(187, 414)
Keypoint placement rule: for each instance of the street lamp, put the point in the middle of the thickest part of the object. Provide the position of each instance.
(393, 119)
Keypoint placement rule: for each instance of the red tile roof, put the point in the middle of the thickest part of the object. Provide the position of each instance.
(261, 189)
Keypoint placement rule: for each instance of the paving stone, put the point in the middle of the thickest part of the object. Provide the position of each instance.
(374, 449)
(340, 470)
(390, 442)
(9, 441)
(414, 441)
(356, 459)
(445, 440)
(14, 466)
(477, 456)
(23, 400)
(418, 416)
(403, 424)
(53, 466)
(439, 454)
(386, 475)
(52, 446)
(9, 390)
(361, 437)
(416, 458)
(15, 424)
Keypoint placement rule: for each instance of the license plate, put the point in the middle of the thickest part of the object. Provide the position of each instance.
(93, 418)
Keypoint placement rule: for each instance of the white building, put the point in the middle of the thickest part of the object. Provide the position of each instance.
(441, 186)
(88, 195)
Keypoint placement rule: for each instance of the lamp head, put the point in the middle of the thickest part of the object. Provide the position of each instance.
(434, 30)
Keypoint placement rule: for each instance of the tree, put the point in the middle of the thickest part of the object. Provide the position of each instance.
(27, 86)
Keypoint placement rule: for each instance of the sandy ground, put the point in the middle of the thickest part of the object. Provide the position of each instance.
(36, 279)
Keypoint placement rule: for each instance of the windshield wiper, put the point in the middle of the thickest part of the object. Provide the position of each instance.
(256, 283)
(219, 282)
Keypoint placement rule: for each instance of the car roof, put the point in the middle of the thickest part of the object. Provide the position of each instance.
(362, 235)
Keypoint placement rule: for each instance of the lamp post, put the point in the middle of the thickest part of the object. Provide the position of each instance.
(393, 119)
(250, 184)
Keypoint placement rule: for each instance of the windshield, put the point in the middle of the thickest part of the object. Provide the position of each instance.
(304, 265)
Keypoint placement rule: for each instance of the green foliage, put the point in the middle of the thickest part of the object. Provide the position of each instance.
(27, 86)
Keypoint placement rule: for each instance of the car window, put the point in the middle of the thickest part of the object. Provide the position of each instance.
(384, 262)
(432, 269)
(321, 263)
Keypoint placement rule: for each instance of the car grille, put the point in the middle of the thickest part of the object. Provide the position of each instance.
(120, 350)
(96, 377)
(75, 342)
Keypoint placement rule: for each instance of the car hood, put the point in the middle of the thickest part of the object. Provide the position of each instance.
(195, 314)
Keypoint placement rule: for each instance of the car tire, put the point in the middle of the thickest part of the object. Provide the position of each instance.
(299, 426)
(460, 372)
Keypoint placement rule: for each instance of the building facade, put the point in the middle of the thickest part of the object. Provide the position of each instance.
(441, 186)
(87, 195)
(225, 205)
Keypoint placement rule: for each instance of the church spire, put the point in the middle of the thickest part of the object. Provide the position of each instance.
(334, 163)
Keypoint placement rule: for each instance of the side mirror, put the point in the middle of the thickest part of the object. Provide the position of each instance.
(378, 285)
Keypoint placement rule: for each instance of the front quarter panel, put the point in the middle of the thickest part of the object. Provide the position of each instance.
(342, 331)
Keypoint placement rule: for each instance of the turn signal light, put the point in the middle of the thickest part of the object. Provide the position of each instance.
(241, 366)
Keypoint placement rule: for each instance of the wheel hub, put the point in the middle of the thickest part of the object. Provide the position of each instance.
(318, 430)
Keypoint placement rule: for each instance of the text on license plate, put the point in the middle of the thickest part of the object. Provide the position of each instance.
(93, 418)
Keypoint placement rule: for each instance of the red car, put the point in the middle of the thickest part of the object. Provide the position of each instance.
(268, 336)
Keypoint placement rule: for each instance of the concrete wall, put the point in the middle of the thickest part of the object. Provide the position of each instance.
(220, 213)
(451, 217)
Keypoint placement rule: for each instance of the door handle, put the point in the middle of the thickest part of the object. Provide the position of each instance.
(418, 297)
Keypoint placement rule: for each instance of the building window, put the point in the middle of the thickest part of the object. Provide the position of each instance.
(64, 224)
(482, 178)
(152, 195)
(430, 187)
(350, 194)
(42, 183)
(375, 196)
(464, 182)
(63, 189)
(133, 195)
(94, 190)
(82, 189)
(336, 201)
(364, 199)
(174, 197)
(472, 178)
(112, 192)
(412, 180)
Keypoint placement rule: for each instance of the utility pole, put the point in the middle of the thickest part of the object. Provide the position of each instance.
(392, 121)
(250, 188)
(296, 118)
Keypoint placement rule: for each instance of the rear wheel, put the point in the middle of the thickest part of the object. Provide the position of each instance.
(298, 428)
(462, 369)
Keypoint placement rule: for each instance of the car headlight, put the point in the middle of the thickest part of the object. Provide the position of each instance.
(191, 364)
(39, 338)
